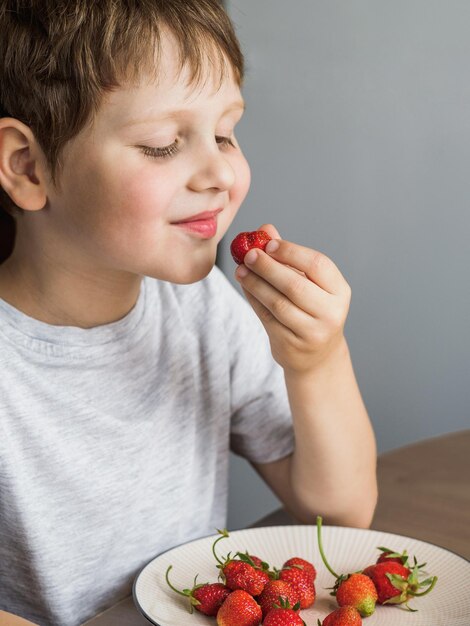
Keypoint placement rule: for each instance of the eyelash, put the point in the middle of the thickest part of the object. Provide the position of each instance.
(169, 151)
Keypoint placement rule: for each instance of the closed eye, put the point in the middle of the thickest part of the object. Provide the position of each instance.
(172, 149)
(225, 141)
(159, 153)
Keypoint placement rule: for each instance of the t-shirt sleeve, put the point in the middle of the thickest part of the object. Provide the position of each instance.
(261, 421)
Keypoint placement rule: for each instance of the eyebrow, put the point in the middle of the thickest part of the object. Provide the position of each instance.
(178, 113)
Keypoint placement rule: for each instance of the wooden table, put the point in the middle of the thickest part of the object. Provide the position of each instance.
(424, 493)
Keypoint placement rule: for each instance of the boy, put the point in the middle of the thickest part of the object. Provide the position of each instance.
(129, 365)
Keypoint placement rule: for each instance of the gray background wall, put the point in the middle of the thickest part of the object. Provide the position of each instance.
(357, 130)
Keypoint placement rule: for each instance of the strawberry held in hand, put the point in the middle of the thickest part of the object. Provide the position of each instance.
(353, 590)
(246, 241)
(344, 616)
(302, 300)
(239, 609)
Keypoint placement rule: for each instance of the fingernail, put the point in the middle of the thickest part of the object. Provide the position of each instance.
(242, 271)
(272, 246)
(250, 257)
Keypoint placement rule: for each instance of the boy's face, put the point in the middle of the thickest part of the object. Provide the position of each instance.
(118, 208)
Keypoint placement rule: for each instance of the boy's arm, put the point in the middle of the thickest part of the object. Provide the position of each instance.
(332, 471)
(303, 301)
(8, 619)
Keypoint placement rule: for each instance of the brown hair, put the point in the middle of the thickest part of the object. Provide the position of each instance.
(58, 58)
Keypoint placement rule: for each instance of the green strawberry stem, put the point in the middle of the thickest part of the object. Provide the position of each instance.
(170, 585)
(187, 593)
(403, 556)
(426, 591)
(223, 535)
(320, 547)
(245, 557)
(393, 554)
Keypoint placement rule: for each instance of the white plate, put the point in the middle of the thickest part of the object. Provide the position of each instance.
(347, 550)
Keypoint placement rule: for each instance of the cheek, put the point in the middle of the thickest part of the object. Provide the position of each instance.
(242, 182)
(141, 199)
(143, 196)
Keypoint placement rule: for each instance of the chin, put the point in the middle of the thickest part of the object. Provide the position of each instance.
(185, 275)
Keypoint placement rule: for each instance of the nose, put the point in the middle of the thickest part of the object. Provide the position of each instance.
(212, 171)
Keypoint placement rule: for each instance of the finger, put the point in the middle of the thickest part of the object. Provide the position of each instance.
(316, 266)
(270, 323)
(277, 304)
(271, 230)
(299, 289)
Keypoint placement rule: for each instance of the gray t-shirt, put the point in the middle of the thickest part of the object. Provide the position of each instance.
(114, 440)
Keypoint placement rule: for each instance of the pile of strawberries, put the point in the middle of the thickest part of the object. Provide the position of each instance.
(250, 593)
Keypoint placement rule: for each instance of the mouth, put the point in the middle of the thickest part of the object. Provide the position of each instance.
(200, 217)
(203, 224)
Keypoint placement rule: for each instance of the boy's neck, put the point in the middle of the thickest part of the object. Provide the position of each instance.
(65, 299)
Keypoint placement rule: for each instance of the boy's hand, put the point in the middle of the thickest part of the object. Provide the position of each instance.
(301, 298)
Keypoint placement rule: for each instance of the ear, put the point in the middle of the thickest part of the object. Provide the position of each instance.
(21, 171)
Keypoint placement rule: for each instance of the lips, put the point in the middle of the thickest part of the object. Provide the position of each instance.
(203, 225)
(206, 215)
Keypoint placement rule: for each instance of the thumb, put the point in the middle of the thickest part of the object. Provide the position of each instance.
(271, 230)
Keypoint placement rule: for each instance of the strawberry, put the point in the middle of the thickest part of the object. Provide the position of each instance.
(388, 556)
(284, 615)
(206, 598)
(241, 573)
(246, 241)
(239, 609)
(256, 560)
(344, 616)
(350, 589)
(356, 591)
(301, 564)
(396, 584)
(211, 597)
(378, 574)
(274, 592)
(253, 560)
(302, 583)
